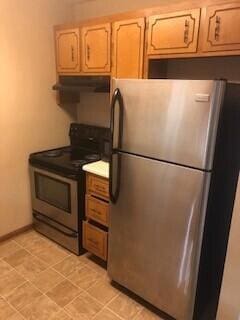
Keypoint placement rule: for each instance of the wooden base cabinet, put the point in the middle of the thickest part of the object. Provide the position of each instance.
(173, 32)
(68, 51)
(128, 48)
(96, 53)
(95, 228)
(222, 28)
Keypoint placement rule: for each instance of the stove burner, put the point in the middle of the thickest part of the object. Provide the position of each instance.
(53, 153)
(77, 163)
(92, 157)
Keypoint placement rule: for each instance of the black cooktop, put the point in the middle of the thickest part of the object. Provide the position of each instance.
(87, 145)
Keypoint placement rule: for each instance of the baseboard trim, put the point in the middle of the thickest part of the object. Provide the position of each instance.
(15, 232)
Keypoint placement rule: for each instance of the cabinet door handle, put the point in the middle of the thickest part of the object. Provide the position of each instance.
(72, 53)
(186, 31)
(217, 28)
(88, 52)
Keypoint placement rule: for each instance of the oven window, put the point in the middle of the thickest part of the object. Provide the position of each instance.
(53, 191)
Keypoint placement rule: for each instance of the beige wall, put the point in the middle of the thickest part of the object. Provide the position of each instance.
(30, 120)
(229, 304)
(84, 9)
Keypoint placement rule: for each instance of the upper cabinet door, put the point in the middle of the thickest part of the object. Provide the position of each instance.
(222, 28)
(173, 32)
(96, 42)
(128, 43)
(67, 51)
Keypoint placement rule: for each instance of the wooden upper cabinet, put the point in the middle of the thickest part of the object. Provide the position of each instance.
(96, 42)
(128, 48)
(67, 51)
(173, 32)
(222, 28)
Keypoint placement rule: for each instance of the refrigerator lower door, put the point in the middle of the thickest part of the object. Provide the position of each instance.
(156, 228)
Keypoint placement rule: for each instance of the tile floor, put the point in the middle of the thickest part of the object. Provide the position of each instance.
(40, 280)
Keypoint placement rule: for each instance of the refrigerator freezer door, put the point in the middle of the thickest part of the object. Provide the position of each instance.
(171, 120)
(156, 229)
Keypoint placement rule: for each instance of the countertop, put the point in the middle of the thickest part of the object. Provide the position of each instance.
(100, 168)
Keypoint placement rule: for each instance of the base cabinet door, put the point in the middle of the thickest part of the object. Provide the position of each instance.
(67, 51)
(222, 28)
(96, 41)
(173, 32)
(128, 44)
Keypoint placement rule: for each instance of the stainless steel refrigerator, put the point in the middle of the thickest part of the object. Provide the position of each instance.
(163, 135)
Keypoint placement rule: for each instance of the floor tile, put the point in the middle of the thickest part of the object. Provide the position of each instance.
(37, 246)
(61, 315)
(147, 315)
(42, 308)
(17, 258)
(125, 307)
(8, 247)
(5, 310)
(68, 265)
(26, 238)
(52, 255)
(83, 307)
(103, 291)
(84, 277)
(96, 264)
(106, 314)
(47, 279)
(10, 282)
(63, 293)
(5, 268)
(31, 267)
(15, 316)
(23, 295)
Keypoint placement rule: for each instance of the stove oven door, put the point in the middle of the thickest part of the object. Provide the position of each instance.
(55, 197)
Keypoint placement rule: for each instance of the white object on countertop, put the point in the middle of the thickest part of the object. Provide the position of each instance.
(100, 168)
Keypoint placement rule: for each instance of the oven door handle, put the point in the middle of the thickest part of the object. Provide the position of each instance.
(70, 234)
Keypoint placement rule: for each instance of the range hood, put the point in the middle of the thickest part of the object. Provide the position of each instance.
(70, 87)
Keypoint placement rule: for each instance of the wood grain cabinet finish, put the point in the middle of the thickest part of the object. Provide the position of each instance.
(97, 186)
(128, 48)
(222, 28)
(68, 51)
(96, 42)
(95, 240)
(173, 32)
(97, 210)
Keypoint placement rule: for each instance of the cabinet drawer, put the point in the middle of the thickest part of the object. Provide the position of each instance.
(98, 186)
(97, 210)
(95, 240)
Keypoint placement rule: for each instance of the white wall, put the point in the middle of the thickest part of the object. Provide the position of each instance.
(30, 119)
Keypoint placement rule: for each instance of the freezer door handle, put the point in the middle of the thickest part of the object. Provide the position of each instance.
(116, 120)
(116, 144)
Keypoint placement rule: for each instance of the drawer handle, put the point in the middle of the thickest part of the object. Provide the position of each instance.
(217, 28)
(100, 188)
(186, 31)
(93, 241)
(95, 211)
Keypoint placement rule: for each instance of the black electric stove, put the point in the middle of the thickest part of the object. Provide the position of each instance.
(87, 144)
(58, 184)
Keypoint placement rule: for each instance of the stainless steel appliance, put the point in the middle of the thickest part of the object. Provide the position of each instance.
(164, 137)
(58, 185)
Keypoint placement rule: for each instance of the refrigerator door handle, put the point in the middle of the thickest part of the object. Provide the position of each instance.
(116, 143)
